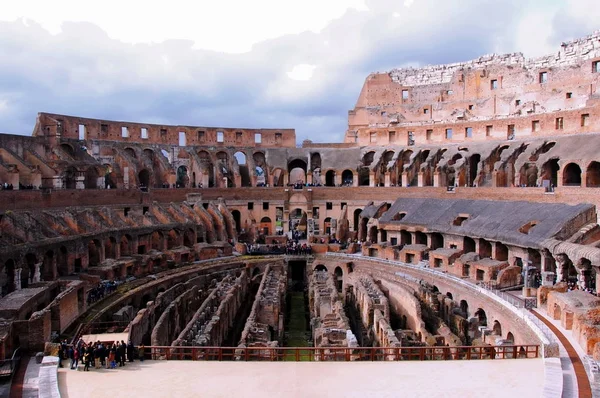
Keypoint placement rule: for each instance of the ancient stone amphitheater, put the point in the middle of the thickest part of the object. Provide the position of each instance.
(457, 220)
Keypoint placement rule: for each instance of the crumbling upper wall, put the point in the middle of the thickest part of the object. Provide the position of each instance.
(477, 93)
(63, 126)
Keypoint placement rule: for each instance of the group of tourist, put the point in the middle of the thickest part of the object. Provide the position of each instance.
(103, 289)
(6, 187)
(295, 248)
(97, 355)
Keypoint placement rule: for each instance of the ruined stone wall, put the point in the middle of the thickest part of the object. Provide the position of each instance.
(68, 305)
(473, 300)
(374, 309)
(264, 326)
(493, 90)
(62, 126)
(330, 325)
(212, 321)
(180, 310)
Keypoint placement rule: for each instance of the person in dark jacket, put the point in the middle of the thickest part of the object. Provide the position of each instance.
(130, 351)
(123, 349)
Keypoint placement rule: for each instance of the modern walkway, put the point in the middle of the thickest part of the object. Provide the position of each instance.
(481, 378)
(582, 389)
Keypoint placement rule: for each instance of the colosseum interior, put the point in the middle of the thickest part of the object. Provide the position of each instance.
(457, 220)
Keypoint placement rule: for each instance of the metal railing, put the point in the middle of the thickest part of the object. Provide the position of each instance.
(8, 367)
(344, 354)
(518, 306)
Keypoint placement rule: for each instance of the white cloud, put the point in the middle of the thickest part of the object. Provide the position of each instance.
(271, 63)
(227, 25)
(302, 72)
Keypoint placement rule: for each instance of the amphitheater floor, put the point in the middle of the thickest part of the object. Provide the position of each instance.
(488, 378)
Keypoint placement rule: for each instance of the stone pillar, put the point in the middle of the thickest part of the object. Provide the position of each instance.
(420, 178)
(36, 273)
(437, 179)
(371, 178)
(309, 177)
(405, 179)
(583, 178)
(285, 177)
(17, 280)
(387, 179)
(57, 182)
(80, 181)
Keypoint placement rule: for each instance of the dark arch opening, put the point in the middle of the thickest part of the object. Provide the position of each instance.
(347, 178)
(237, 218)
(437, 240)
(339, 279)
(592, 178)
(321, 267)
(550, 171)
(330, 178)
(182, 177)
(473, 169)
(572, 175)
(356, 218)
(468, 245)
(144, 177)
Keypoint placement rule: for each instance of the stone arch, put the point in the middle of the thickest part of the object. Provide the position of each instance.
(474, 169)
(364, 172)
(464, 308)
(188, 238)
(572, 175)
(94, 253)
(356, 219)
(266, 226)
(437, 241)
(62, 261)
(172, 239)
(237, 217)
(510, 337)
(481, 316)
(339, 278)
(297, 171)
(330, 178)
(207, 168)
(373, 234)
(278, 177)
(144, 178)
(28, 272)
(315, 161)
(7, 277)
(501, 252)
(485, 248)
(550, 171)
(110, 247)
(68, 148)
(125, 245)
(47, 272)
(528, 175)
(70, 177)
(420, 238)
(468, 245)
(157, 240)
(405, 237)
(131, 152)
(592, 175)
(556, 312)
(449, 295)
(183, 179)
(321, 267)
(347, 178)
(497, 328)
(243, 170)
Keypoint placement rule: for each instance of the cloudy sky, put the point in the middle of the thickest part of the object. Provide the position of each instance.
(259, 63)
